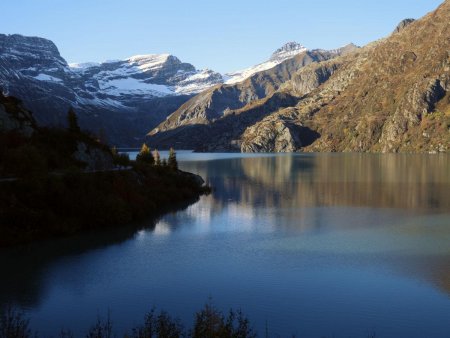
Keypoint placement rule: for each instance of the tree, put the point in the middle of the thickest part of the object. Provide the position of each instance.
(211, 323)
(172, 162)
(145, 155)
(14, 324)
(72, 121)
(157, 158)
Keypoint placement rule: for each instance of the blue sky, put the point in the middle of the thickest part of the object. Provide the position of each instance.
(222, 35)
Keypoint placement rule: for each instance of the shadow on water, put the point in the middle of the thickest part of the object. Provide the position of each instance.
(23, 279)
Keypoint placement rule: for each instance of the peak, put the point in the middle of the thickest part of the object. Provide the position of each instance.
(149, 57)
(348, 48)
(28, 43)
(289, 47)
(287, 51)
(403, 24)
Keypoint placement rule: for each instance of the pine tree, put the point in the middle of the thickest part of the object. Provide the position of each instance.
(72, 121)
(145, 155)
(172, 162)
(157, 158)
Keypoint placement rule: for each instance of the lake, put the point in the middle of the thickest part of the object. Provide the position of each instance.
(316, 245)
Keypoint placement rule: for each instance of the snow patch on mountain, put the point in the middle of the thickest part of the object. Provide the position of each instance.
(149, 61)
(287, 51)
(198, 82)
(131, 86)
(45, 77)
(82, 66)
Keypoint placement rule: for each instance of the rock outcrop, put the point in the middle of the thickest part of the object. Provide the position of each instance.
(13, 117)
(404, 23)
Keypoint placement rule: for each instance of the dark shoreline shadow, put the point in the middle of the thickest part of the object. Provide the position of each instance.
(22, 283)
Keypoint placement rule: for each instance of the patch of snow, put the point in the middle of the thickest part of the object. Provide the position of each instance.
(286, 52)
(118, 87)
(198, 81)
(45, 77)
(83, 65)
(29, 69)
(241, 75)
(149, 61)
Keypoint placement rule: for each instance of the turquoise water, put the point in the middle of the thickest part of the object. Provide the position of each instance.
(336, 245)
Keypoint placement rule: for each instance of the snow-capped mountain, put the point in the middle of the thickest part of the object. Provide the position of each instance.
(125, 98)
(155, 75)
(287, 51)
(145, 87)
(114, 83)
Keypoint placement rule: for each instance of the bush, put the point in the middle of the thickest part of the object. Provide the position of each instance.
(14, 325)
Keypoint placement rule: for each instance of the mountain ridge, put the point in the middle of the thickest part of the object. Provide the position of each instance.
(392, 95)
(120, 98)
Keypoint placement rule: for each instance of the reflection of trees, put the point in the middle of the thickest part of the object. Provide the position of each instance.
(24, 268)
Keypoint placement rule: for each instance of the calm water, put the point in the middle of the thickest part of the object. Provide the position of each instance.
(314, 245)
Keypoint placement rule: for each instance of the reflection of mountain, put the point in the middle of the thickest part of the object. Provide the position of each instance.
(400, 202)
(355, 180)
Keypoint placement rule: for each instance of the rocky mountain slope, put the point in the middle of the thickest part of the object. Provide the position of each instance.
(210, 113)
(390, 96)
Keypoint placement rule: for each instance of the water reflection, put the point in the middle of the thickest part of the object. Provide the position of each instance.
(359, 180)
(403, 202)
(272, 223)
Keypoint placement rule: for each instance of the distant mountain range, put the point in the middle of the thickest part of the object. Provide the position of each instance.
(122, 98)
(391, 95)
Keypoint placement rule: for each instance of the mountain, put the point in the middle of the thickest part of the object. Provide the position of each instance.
(212, 120)
(120, 98)
(287, 51)
(389, 96)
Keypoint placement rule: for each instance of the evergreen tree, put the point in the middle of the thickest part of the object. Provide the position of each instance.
(145, 155)
(172, 162)
(164, 162)
(157, 158)
(72, 121)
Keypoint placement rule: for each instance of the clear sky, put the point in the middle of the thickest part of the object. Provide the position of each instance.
(223, 35)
